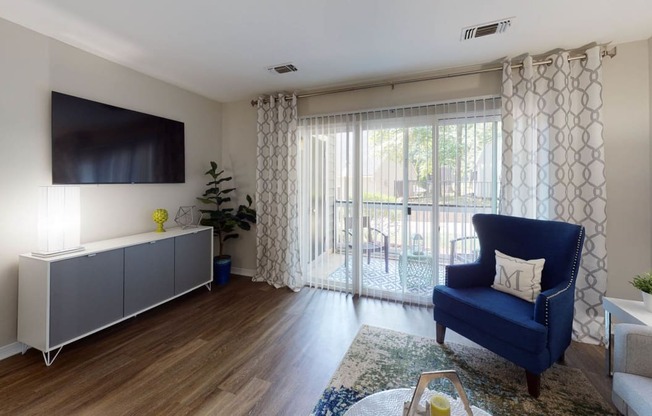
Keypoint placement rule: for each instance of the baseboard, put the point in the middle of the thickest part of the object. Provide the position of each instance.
(11, 349)
(242, 272)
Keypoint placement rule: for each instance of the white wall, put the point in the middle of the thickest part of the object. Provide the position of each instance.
(239, 159)
(32, 66)
(627, 107)
(115, 210)
(24, 83)
(626, 93)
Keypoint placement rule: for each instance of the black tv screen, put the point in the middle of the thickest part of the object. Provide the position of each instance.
(95, 143)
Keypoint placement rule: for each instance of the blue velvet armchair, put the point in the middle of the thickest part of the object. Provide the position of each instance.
(533, 335)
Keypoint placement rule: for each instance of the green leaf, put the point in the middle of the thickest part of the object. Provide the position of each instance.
(248, 218)
(643, 283)
(223, 218)
(206, 200)
(223, 200)
(219, 181)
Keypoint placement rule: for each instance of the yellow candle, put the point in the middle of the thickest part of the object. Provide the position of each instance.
(440, 405)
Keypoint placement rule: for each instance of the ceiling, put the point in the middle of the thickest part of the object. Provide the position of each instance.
(221, 49)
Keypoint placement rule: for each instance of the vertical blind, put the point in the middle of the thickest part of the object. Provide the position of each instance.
(386, 195)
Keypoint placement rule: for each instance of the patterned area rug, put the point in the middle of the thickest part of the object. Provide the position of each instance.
(380, 359)
(418, 278)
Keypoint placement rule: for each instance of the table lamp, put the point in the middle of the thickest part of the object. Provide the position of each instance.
(58, 220)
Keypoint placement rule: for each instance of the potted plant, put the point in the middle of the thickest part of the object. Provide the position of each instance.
(644, 284)
(225, 220)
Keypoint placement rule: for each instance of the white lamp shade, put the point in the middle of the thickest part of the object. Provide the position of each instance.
(58, 219)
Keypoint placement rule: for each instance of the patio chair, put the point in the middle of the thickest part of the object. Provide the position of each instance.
(464, 250)
(376, 241)
(514, 314)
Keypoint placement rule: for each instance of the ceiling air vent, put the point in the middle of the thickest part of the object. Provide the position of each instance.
(283, 68)
(499, 26)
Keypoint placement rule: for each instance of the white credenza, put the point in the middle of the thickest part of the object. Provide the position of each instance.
(64, 298)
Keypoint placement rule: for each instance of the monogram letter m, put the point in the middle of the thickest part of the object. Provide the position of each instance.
(511, 281)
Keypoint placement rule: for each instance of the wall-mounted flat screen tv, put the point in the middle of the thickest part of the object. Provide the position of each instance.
(95, 143)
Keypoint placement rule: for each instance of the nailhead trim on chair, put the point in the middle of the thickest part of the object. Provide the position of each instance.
(574, 271)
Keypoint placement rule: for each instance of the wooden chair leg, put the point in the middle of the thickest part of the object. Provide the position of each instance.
(440, 332)
(533, 384)
(562, 359)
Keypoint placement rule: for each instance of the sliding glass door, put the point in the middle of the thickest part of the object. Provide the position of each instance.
(387, 196)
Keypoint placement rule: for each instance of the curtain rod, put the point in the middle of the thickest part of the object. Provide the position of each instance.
(606, 52)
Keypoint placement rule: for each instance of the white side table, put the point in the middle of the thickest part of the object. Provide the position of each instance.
(625, 311)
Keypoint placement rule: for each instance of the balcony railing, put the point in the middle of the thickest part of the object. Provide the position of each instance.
(453, 224)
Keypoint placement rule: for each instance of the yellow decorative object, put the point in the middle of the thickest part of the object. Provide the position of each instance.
(160, 216)
(440, 405)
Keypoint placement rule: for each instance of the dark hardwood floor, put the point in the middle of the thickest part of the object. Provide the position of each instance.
(246, 348)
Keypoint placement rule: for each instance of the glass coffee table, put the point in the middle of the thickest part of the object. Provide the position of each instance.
(414, 401)
(392, 403)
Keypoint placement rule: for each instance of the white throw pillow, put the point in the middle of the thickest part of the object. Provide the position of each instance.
(518, 277)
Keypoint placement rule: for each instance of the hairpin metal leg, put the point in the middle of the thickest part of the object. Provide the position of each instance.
(426, 378)
(209, 286)
(47, 357)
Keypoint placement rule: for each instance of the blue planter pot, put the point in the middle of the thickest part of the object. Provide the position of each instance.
(221, 270)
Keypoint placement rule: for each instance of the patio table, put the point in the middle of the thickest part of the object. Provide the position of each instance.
(418, 265)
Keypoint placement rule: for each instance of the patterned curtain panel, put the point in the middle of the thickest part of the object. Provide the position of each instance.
(277, 235)
(553, 164)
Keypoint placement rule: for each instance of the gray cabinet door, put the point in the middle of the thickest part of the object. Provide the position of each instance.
(193, 260)
(149, 274)
(86, 293)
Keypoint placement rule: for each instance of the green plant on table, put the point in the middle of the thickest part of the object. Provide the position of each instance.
(643, 282)
(224, 219)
